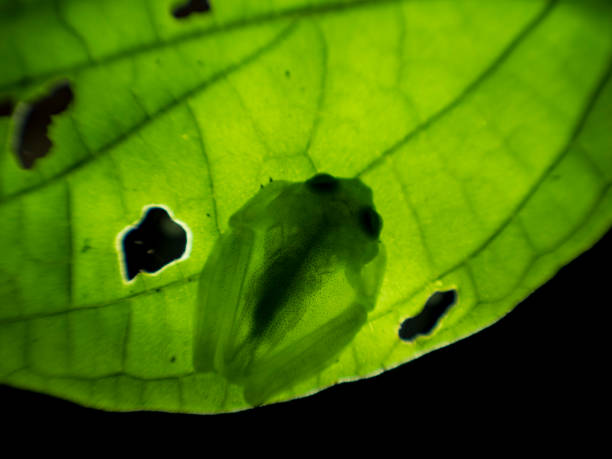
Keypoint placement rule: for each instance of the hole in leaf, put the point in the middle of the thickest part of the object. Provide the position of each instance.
(32, 141)
(6, 107)
(422, 324)
(152, 244)
(190, 7)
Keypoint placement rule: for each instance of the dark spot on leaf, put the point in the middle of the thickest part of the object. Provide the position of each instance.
(207, 214)
(370, 222)
(156, 241)
(322, 183)
(32, 141)
(271, 179)
(422, 324)
(190, 7)
(6, 107)
(287, 73)
(172, 359)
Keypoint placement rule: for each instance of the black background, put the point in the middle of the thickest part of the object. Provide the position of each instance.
(544, 362)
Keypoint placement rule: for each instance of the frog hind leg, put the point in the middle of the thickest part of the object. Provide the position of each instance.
(220, 290)
(305, 358)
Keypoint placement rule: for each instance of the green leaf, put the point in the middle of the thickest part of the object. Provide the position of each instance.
(483, 129)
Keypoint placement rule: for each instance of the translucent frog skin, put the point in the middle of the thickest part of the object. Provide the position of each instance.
(289, 285)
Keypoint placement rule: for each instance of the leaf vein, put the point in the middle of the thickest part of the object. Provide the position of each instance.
(290, 13)
(468, 90)
(211, 182)
(580, 124)
(105, 149)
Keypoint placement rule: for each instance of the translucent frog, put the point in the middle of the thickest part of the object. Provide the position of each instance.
(289, 285)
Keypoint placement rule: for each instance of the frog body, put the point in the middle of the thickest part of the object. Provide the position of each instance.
(289, 285)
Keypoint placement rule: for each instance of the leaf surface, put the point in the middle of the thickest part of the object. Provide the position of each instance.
(483, 129)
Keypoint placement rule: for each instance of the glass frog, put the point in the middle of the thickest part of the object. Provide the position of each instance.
(289, 285)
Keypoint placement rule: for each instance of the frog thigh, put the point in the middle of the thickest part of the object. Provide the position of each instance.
(304, 358)
(219, 295)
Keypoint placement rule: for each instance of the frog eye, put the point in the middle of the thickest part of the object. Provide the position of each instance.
(370, 222)
(322, 183)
